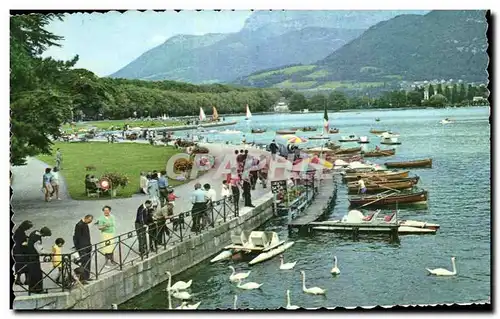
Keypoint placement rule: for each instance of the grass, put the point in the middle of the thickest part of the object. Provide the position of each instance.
(295, 85)
(125, 158)
(121, 123)
(317, 74)
(349, 85)
(287, 71)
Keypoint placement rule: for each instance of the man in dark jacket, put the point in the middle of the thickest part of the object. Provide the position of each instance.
(274, 149)
(81, 240)
(140, 225)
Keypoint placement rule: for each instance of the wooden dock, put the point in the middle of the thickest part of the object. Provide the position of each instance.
(355, 229)
(322, 203)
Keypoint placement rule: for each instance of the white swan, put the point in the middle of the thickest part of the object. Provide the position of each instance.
(286, 266)
(185, 305)
(235, 302)
(114, 306)
(182, 295)
(335, 270)
(313, 290)
(234, 277)
(442, 271)
(289, 306)
(168, 292)
(248, 285)
(180, 285)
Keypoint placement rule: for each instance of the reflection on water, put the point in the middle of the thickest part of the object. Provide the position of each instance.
(374, 272)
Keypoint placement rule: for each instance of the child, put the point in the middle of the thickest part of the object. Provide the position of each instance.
(56, 258)
(225, 191)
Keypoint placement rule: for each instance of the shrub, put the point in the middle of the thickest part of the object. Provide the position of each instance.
(116, 179)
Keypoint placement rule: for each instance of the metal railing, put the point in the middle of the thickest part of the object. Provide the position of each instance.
(127, 248)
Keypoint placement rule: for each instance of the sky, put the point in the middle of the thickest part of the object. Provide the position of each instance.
(106, 42)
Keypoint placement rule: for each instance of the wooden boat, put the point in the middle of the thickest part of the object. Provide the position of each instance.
(390, 141)
(355, 217)
(258, 130)
(284, 132)
(258, 245)
(318, 150)
(348, 150)
(390, 199)
(379, 153)
(350, 138)
(413, 164)
(332, 145)
(376, 175)
(377, 187)
(333, 131)
(374, 131)
(308, 129)
(377, 119)
(414, 180)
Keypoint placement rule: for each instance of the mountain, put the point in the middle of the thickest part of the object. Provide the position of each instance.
(267, 40)
(438, 45)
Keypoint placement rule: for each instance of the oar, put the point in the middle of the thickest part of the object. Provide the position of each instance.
(375, 201)
(392, 189)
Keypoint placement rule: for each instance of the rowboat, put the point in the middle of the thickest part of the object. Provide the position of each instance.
(377, 187)
(332, 145)
(379, 153)
(377, 175)
(355, 217)
(350, 138)
(348, 150)
(283, 132)
(257, 245)
(374, 131)
(258, 130)
(363, 140)
(305, 129)
(391, 199)
(414, 180)
(333, 131)
(416, 163)
(319, 137)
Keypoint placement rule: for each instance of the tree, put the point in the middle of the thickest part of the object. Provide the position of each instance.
(438, 100)
(461, 93)
(38, 102)
(439, 89)
(471, 92)
(447, 92)
(337, 101)
(318, 102)
(297, 102)
(414, 98)
(431, 90)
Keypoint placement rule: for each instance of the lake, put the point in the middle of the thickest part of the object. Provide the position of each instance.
(373, 271)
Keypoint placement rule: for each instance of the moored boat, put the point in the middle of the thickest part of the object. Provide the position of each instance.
(377, 187)
(377, 175)
(413, 164)
(348, 150)
(363, 140)
(319, 137)
(258, 130)
(307, 129)
(379, 153)
(374, 131)
(390, 141)
(350, 138)
(419, 197)
(333, 131)
(284, 132)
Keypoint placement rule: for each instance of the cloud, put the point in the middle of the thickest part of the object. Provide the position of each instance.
(157, 39)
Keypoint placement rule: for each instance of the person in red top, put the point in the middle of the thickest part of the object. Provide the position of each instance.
(171, 197)
(235, 189)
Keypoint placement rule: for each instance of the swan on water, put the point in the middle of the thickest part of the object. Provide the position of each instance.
(180, 285)
(289, 306)
(235, 302)
(335, 270)
(168, 292)
(442, 271)
(114, 306)
(248, 285)
(234, 277)
(313, 290)
(182, 295)
(286, 266)
(185, 305)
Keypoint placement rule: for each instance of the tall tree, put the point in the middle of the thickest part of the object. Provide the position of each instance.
(297, 102)
(38, 102)
(337, 101)
(439, 89)
(461, 94)
(447, 92)
(431, 90)
(454, 94)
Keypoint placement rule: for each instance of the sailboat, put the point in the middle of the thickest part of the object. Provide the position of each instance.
(215, 115)
(203, 117)
(249, 114)
(326, 125)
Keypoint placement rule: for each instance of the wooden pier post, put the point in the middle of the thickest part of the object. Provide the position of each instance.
(355, 233)
(394, 234)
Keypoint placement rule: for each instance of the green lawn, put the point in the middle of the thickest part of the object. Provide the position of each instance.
(317, 74)
(124, 158)
(287, 71)
(295, 85)
(120, 123)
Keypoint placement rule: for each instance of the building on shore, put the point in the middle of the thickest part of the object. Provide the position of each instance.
(281, 107)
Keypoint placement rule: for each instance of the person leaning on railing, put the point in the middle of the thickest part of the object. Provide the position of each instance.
(199, 206)
(83, 246)
(33, 251)
(140, 225)
(19, 251)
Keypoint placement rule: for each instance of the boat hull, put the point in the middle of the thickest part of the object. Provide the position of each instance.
(377, 188)
(425, 163)
(372, 201)
(379, 153)
(402, 230)
(319, 137)
(258, 131)
(349, 140)
(377, 131)
(390, 143)
(374, 176)
(333, 131)
(224, 255)
(348, 150)
(271, 253)
(284, 132)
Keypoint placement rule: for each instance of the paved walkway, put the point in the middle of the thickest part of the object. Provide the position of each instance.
(61, 216)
